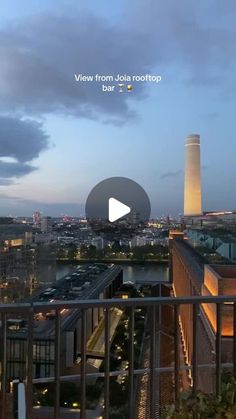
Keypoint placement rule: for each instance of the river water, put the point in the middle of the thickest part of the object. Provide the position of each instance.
(132, 273)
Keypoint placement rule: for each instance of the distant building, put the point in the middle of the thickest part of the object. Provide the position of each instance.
(192, 182)
(66, 219)
(98, 242)
(46, 224)
(138, 241)
(25, 264)
(134, 217)
(6, 220)
(228, 250)
(206, 239)
(37, 218)
(221, 242)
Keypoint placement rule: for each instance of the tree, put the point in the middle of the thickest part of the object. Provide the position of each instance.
(119, 413)
(88, 252)
(72, 251)
(118, 393)
(206, 406)
(61, 254)
(116, 247)
(83, 251)
(69, 394)
(92, 252)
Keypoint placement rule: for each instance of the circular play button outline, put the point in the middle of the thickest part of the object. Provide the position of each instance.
(117, 207)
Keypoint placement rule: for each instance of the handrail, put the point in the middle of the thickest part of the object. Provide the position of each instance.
(116, 302)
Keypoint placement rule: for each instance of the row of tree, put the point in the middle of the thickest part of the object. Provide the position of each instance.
(116, 251)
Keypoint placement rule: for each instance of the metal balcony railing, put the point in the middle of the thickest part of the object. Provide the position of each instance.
(152, 304)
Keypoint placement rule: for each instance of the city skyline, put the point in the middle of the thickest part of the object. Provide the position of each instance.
(57, 141)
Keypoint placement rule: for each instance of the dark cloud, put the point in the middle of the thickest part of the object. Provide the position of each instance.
(17, 169)
(198, 37)
(23, 141)
(166, 175)
(41, 54)
(40, 57)
(177, 173)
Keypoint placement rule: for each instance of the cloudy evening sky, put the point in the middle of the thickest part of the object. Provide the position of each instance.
(58, 138)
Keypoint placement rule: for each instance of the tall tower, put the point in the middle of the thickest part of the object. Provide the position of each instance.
(192, 182)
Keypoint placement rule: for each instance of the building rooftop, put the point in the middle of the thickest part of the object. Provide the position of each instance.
(225, 271)
(193, 261)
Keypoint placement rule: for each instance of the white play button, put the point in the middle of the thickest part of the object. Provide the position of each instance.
(117, 210)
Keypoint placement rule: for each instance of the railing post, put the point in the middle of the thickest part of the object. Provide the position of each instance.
(195, 346)
(4, 364)
(83, 365)
(107, 363)
(29, 364)
(152, 380)
(218, 347)
(177, 351)
(131, 363)
(57, 345)
(234, 341)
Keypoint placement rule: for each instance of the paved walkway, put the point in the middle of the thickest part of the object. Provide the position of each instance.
(98, 344)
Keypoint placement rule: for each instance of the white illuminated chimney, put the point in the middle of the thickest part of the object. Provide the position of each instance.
(192, 182)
